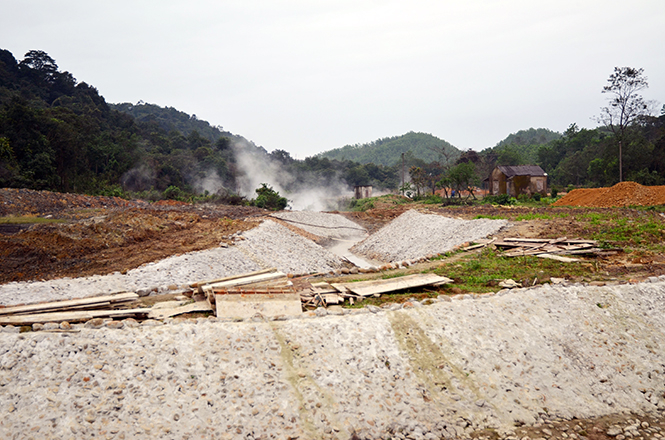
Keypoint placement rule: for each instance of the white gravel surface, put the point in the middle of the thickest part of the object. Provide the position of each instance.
(268, 245)
(323, 224)
(414, 235)
(423, 372)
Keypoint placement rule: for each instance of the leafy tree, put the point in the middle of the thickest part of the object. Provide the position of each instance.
(268, 198)
(463, 177)
(418, 179)
(39, 61)
(625, 104)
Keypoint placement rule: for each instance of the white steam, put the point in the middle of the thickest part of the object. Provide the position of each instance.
(255, 168)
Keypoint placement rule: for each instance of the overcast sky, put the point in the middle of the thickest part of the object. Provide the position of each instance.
(311, 75)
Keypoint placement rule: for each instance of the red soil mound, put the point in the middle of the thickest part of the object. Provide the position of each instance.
(170, 203)
(621, 194)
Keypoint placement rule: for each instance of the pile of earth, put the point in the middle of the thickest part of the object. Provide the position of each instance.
(621, 194)
(26, 201)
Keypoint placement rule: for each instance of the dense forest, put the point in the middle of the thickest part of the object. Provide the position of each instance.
(388, 151)
(60, 134)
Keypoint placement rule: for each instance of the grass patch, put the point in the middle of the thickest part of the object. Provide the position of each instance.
(481, 272)
(491, 217)
(22, 220)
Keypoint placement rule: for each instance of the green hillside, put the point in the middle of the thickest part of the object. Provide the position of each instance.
(532, 136)
(388, 151)
(169, 119)
(521, 148)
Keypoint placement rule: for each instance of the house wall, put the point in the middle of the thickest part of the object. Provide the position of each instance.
(539, 185)
(362, 192)
(497, 182)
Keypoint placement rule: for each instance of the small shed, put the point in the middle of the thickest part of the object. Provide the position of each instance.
(516, 180)
(362, 192)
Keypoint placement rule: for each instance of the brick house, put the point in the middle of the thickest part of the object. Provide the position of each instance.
(516, 180)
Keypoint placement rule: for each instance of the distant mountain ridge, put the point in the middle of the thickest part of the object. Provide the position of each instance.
(388, 151)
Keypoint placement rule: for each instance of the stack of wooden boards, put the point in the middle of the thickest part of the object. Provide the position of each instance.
(322, 294)
(73, 310)
(550, 248)
(268, 292)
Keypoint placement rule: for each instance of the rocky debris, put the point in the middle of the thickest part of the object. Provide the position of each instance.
(527, 363)
(268, 245)
(323, 224)
(414, 235)
(621, 194)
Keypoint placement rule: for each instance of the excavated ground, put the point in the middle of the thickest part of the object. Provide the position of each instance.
(100, 235)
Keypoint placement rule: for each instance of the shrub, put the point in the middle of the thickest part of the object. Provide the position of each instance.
(173, 193)
(499, 199)
(268, 198)
(536, 197)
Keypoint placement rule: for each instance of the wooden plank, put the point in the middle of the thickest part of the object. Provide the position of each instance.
(61, 305)
(332, 298)
(368, 288)
(559, 258)
(340, 287)
(76, 316)
(481, 244)
(250, 280)
(198, 306)
(526, 240)
(232, 277)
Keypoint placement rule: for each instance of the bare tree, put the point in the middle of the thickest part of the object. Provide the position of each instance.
(625, 104)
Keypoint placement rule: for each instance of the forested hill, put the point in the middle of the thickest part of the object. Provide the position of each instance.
(532, 136)
(521, 148)
(60, 134)
(171, 119)
(388, 151)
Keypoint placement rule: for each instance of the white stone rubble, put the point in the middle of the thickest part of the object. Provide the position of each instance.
(414, 235)
(436, 371)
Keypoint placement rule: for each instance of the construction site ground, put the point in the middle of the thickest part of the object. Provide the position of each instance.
(75, 235)
(46, 236)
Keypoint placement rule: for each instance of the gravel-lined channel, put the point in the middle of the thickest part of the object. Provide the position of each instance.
(410, 236)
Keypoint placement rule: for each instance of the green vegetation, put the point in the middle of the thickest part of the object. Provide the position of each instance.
(612, 229)
(388, 151)
(268, 198)
(481, 272)
(59, 134)
(14, 220)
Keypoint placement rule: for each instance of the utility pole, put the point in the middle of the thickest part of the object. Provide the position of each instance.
(402, 187)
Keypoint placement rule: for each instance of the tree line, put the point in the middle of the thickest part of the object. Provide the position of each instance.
(59, 134)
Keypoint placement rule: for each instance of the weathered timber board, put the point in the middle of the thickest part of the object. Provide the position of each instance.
(559, 258)
(255, 279)
(246, 306)
(70, 303)
(232, 277)
(367, 288)
(77, 316)
(199, 306)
